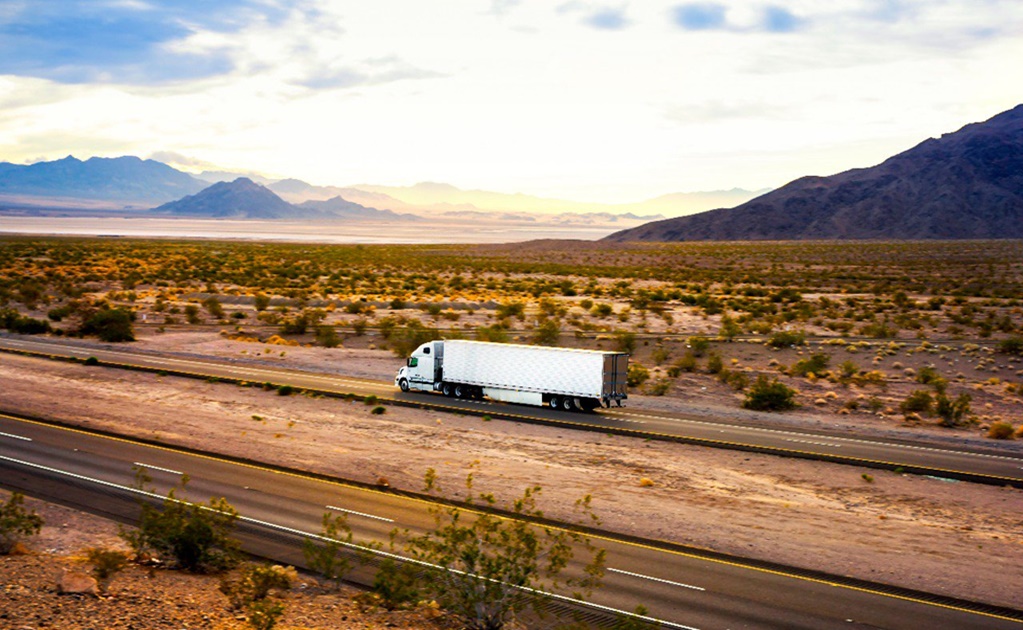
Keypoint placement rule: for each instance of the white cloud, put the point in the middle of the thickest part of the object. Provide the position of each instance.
(528, 96)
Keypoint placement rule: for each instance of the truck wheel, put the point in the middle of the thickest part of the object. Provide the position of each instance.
(567, 404)
(553, 402)
(446, 388)
(403, 384)
(459, 391)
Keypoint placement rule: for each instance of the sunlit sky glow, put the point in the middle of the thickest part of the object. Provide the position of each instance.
(595, 101)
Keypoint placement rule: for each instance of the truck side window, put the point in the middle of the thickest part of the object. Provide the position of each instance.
(413, 362)
(426, 350)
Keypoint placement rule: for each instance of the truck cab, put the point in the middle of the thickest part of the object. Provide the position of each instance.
(424, 369)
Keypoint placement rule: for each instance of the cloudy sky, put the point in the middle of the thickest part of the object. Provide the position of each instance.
(595, 101)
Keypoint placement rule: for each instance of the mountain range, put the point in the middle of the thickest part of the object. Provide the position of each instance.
(123, 180)
(245, 199)
(963, 185)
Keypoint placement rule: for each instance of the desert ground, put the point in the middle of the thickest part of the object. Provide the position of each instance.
(932, 534)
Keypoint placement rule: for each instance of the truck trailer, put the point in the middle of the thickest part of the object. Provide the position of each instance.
(561, 378)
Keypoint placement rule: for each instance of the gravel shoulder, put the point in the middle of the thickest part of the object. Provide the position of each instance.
(957, 539)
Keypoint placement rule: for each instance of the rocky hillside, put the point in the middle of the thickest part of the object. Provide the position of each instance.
(116, 179)
(240, 199)
(964, 185)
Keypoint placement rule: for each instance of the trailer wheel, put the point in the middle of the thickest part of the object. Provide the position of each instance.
(446, 389)
(567, 404)
(403, 384)
(459, 391)
(553, 402)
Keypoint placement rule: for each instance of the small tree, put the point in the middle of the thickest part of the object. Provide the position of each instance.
(493, 568)
(106, 563)
(547, 333)
(769, 395)
(953, 413)
(110, 324)
(16, 522)
(327, 556)
(194, 536)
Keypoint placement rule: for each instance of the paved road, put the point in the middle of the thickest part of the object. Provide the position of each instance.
(683, 590)
(976, 464)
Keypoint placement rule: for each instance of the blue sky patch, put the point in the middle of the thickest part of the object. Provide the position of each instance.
(702, 16)
(78, 42)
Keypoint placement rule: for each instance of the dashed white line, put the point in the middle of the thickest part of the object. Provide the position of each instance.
(812, 442)
(166, 470)
(843, 439)
(16, 437)
(379, 518)
(655, 579)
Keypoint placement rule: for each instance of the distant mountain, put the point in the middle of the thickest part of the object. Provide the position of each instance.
(122, 179)
(426, 198)
(245, 199)
(342, 208)
(240, 199)
(967, 184)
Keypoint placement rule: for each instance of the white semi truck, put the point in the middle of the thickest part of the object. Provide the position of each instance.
(562, 378)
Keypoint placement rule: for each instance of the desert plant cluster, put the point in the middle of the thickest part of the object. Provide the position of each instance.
(842, 327)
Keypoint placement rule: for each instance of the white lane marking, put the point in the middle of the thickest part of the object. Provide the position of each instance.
(166, 470)
(839, 438)
(379, 518)
(16, 437)
(812, 442)
(654, 579)
(283, 528)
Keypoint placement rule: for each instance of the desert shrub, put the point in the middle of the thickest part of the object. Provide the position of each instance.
(660, 354)
(715, 364)
(253, 582)
(547, 333)
(110, 324)
(769, 395)
(735, 379)
(213, 307)
(295, 325)
(261, 301)
(370, 400)
(193, 536)
(730, 329)
(879, 330)
(787, 338)
(328, 555)
(698, 345)
(12, 321)
(602, 309)
(397, 584)
(919, 401)
(192, 314)
(1012, 345)
(106, 563)
(953, 413)
(285, 390)
(511, 309)
(817, 364)
(637, 375)
(16, 522)
(625, 341)
(687, 363)
(1001, 431)
(929, 376)
(495, 334)
(660, 387)
(327, 336)
(406, 339)
(378, 410)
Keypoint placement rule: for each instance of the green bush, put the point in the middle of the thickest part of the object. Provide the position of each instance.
(193, 536)
(285, 390)
(637, 375)
(715, 364)
(659, 387)
(769, 395)
(110, 324)
(787, 338)
(817, 364)
(953, 413)
(698, 345)
(378, 411)
(919, 401)
(1012, 345)
(16, 522)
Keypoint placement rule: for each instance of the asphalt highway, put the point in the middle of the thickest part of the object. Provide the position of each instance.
(968, 463)
(680, 590)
